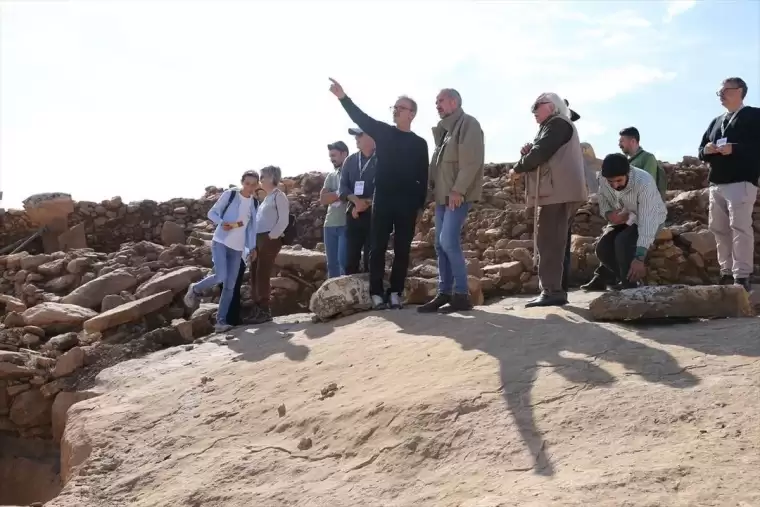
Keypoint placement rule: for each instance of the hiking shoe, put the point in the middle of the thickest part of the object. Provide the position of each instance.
(459, 303)
(191, 297)
(435, 304)
(378, 303)
(726, 280)
(262, 316)
(221, 327)
(597, 284)
(744, 282)
(395, 301)
(547, 300)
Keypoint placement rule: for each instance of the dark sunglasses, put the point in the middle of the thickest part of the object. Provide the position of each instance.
(537, 105)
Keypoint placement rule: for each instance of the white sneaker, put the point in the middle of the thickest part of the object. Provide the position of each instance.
(396, 303)
(191, 298)
(222, 328)
(378, 303)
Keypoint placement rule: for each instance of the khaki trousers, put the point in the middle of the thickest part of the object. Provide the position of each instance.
(554, 222)
(731, 207)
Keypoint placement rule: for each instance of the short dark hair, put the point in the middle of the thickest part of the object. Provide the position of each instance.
(739, 83)
(412, 102)
(614, 165)
(249, 174)
(631, 132)
(338, 145)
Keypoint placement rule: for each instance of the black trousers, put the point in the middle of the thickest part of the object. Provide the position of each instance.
(233, 314)
(358, 241)
(616, 250)
(387, 218)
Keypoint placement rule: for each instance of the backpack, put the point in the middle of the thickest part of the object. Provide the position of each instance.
(232, 198)
(289, 235)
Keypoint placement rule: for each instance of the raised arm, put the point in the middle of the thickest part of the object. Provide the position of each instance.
(376, 129)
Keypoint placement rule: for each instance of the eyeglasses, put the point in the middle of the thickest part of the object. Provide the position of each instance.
(537, 105)
(399, 108)
(724, 90)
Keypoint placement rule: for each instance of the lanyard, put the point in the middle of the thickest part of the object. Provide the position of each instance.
(724, 124)
(359, 163)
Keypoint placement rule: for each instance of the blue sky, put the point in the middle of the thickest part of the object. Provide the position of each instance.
(159, 99)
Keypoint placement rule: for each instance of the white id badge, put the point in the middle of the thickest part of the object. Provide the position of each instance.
(359, 188)
(721, 142)
(337, 204)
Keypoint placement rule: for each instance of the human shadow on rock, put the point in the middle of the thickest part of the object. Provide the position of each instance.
(523, 345)
(717, 337)
(260, 342)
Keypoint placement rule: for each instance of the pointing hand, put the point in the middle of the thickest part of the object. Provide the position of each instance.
(336, 89)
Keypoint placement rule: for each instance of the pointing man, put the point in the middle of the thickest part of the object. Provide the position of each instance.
(400, 191)
(456, 173)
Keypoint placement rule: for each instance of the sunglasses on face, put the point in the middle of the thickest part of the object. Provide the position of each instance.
(537, 105)
(722, 91)
(399, 108)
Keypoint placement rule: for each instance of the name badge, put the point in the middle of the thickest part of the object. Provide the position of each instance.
(359, 188)
(721, 142)
(337, 204)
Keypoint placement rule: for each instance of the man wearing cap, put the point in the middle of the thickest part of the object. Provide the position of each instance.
(631, 203)
(357, 185)
(335, 219)
(456, 173)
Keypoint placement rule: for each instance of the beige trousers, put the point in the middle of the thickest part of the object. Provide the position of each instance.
(731, 208)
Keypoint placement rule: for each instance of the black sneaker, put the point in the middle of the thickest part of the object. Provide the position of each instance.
(263, 315)
(744, 282)
(433, 306)
(726, 280)
(597, 284)
(459, 303)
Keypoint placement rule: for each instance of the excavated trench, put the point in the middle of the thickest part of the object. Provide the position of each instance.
(30, 471)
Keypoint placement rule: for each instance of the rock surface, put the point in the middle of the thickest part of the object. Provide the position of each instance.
(536, 408)
(341, 295)
(707, 301)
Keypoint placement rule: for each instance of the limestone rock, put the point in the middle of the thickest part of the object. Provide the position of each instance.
(13, 371)
(91, 294)
(653, 302)
(172, 234)
(12, 304)
(69, 362)
(63, 342)
(14, 319)
(49, 314)
(64, 401)
(341, 294)
(111, 301)
(306, 261)
(128, 312)
(175, 281)
(32, 262)
(30, 409)
(52, 268)
(702, 242)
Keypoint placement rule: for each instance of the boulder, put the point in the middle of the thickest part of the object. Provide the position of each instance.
(69, 362)
(702, 242)
(12, 304)
(341, 294)
(50, 314)
(175, 281)
(128, 312)
(62, 342)
(172, 234)
(663, 301)
(64, 401)
(303, 260)
(30, 409)
(91, 294)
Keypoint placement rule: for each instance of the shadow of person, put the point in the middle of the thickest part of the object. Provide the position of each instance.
(260, 342)
(524, 345)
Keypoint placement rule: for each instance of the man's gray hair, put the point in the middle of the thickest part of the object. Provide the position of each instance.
(555, 100)
(453, 94)
(274, 172)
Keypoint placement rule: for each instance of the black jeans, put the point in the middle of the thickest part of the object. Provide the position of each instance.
(358, 241)
(616, 250)
(233, 314)
(401, 220)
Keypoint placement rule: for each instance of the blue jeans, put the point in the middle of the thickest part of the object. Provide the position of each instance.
(335, 248)
(452, 270)
(226, 268)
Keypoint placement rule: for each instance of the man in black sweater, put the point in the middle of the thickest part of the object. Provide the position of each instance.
(401, 181)
(731, 145)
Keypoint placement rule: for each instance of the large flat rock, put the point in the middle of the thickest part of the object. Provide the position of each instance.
(663, 301)
(91, 294)
(49, 314)
(340, 295)
(128, 312)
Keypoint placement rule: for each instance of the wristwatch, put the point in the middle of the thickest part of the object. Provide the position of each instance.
(641, 253)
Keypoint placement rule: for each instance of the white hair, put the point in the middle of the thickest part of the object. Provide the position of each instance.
(559, 105)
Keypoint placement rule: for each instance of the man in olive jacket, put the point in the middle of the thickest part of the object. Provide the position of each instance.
(456, 174)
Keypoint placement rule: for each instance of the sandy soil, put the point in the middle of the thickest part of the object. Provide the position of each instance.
(501, 407)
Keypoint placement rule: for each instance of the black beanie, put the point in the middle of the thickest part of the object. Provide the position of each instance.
(614, 165)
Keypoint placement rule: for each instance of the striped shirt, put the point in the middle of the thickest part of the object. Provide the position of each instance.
(641, 197)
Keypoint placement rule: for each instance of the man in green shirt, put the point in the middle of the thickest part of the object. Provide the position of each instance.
(335, 219)
(629, 144)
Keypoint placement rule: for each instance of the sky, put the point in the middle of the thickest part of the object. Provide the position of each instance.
(155, 99)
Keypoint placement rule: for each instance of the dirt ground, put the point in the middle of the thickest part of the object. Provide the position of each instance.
(501, 407)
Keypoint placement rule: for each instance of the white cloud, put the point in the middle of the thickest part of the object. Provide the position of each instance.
(157, 99)
(677, 7)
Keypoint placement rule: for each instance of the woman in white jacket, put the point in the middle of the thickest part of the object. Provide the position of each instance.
(235, 217)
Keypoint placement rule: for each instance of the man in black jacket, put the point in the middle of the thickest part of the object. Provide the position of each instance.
(401, 182)
(731, 145)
